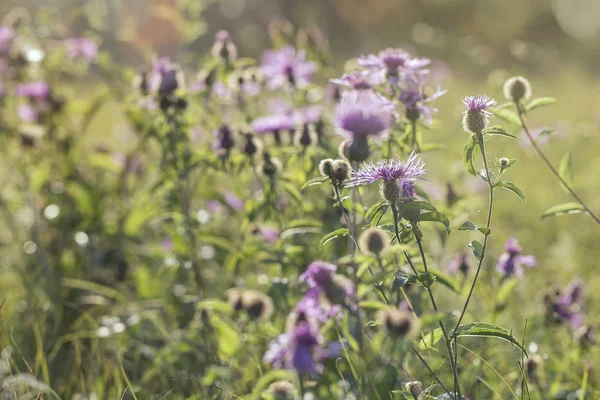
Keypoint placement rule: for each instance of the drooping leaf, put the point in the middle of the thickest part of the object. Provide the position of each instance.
(418, 205)
(468, 226)
(468, 154)
(499, 131)
(430, 339)
(477, 249)
(511, 187)
(566, 208)
(540, 102)
(333, 235)
(565, 170)
(544, 133)
(436, 217)
(399, 282)
(485, 329)
(373, 210)
(314, 181)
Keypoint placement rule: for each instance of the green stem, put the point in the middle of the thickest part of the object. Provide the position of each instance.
(540, 153)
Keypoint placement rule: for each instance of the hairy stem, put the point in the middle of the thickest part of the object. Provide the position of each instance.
(540, 153)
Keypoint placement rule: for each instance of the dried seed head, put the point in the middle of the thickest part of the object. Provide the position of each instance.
(390, 190)
(504, 162)
(340, 171)
(282, 390)
(339, 289)
(257, 305)
(398, 323)
(326, 167)
(517, 88)
(374, 241)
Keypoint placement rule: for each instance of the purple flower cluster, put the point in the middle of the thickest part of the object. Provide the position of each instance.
(512, 260)
(361, 114)
(389, 170)
(287, 68)
(84, 49)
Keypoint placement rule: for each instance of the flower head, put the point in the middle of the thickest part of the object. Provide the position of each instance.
(357, 80)
(223, 47)
(35, 91)
(374, 241)
(395, 63)
(517, 88)
(361, 114)
(318, 274)
(7, 37)
(566, 306)
(287, 68)
(476, 118)
(415, 100)
(166, 77)
(389, 170)
(512, 260)
(83, 49)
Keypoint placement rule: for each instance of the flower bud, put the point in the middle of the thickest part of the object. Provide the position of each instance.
(374, 241)
(252, 145)
(340, 171)
(257, 305)
(358, 150)
(270, 166)
(326, 167)
(398, 323)
(390, 190)
(532, 365)
(283, 390)
(517, 88)
(339, 289)
(223, 47)
(474, 121)
(305, 136)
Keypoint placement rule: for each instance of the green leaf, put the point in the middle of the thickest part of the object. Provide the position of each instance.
(292, 191)
(430, 339)
(418, 205)
(468, 226)
(508, 116)
(565, 169)
(468, 154)
(374, 209)
(373, 305)
(315, 181)
(212, 304)
(540, 102)
(432, 318)
(436, 217)
(333, 235)
(228, 339)
(431, 147)
(477, 248)
(438, 277)
(545, 132)
(399, 282)
(567, 208)
(497, 130)
(512, 188)
(487, 330)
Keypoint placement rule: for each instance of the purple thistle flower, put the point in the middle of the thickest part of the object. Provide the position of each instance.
(388, 170)
(313, 307)
(82, 49)
(395, 63)
(460, 263)
(35, 91)
(361, 114)
(7, 38)
(416, 102)
(305, 340)
(224, 47)
(166, 77)
(233, 201)
(287, 67)
(512, 260)
(408, 189)
(28, 113)
(476, 117)
(357, 80)
(276, 354)
(269, 234)
(318, 274)
(274, 123)
(567, 306)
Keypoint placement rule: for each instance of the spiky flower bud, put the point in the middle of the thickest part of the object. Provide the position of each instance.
(326, 167)
(398, 323)
(390, 190)
(374, 241)
(340, 171)
(517, 88)
(476, 117)
(305, 136)
(504, 162)
(270, 166)
(339, 289)
(252, 145)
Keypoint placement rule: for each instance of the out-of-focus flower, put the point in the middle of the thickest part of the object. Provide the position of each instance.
(35, 91)
(517, 88)
(395, 64)
(398, 323)
(257, 305)
(233, 201)
(287, 68)
(7, 37)
(223, 140)
(566, 306)
(459, 263)
(83, 49)
(318, 274)
(361, 114)
(417, 102)
(356, 80)
(512, 260)
(166, 77)
(223, 47)
(476, 117)
(374, 241)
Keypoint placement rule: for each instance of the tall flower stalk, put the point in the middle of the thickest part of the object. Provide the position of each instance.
(517, 89)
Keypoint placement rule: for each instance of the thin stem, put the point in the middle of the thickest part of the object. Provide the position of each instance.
(540, 153)
(345, 216)
(430, 292)
(487, 225)
(430, 370)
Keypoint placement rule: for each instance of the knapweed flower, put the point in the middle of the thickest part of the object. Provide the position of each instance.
(83, 49)
(340, 171)
(512, 260)
(415, 100)
(390, 172)
(566, 306)
(460, 263)
(166, 77)
(517, 88)
(223, 47)
(396, 64)
(322, 279)
(223, 140)
(287, 68)
(361, 114)
(476, 118)
(318, 274)
(38, 91)
(258, 306)
(7, 37)
(357, 80)
(283, 390)
(270, 166)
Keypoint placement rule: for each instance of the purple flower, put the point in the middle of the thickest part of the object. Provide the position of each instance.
(512, 260)
(357, 80)
(395, 63)
(416, 102)
(274, 123)
(304, 345)
(7, 38)
(35, 91)
(269, 234)
(361, 114)
(476, 117)
(479, 103)
(224, 47)
(233, 201)
(567, 305)
(388, 170)
(223, 140)
(166, 77)
(28, 113)
(287, 68)
(460, 263)
(318, 274)
(82, 49)
(408, 189)
(276, 355)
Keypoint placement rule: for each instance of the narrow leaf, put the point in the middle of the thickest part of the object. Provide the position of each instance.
(314, 181)
(565, 169)
(430, 339)
(508, 116)
(567, 208)
(332, 235)
(436, 217)
(468, 226)
(512, 188)
(540, 102)
(487, 330)
(468, 154)
(477, 249)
